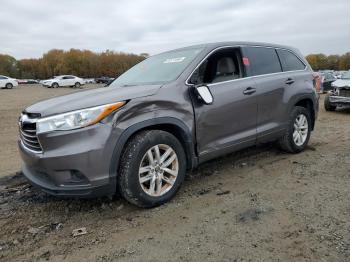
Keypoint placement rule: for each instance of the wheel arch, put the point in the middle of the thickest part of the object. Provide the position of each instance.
(307, 103)
(169, 124)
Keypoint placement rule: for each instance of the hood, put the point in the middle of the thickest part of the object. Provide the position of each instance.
(90, 98)
(341, 83)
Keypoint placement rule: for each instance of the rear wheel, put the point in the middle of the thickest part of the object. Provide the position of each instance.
(298, 131)
(152, 169)
(327, 104)
(55, 85)
(9, 86)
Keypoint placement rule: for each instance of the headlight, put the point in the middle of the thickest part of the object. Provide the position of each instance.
(76, 119)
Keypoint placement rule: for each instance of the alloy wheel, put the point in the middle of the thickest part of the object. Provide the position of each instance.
(158, 170)
(301, 128)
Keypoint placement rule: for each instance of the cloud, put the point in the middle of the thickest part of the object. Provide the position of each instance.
(30, 28)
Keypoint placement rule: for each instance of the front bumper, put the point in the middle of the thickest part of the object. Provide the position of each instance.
(73, 163)
(339, 99)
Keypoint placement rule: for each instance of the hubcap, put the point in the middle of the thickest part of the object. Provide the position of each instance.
(301, 128)
(158, 170)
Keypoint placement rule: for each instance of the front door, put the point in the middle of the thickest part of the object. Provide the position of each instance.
(229, 123)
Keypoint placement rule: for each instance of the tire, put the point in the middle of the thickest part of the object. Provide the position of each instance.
(77, 85)
(327, 104)
(135, 155)
(9, 86)
(54, 85)
(287, 142)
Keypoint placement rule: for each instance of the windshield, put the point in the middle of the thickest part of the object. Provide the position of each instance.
(346, 75)
(158, 69)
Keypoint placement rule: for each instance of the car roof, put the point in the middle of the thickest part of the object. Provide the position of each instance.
(235, 43)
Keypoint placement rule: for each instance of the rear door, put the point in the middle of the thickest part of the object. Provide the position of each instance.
(229, 123)
(271, 84)
(67, 81)
(72, 80)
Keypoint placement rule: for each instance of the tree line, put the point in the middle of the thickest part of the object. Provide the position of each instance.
(83, 63)
(332, 62)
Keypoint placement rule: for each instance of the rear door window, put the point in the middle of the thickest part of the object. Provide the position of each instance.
(289, 61)
(263, 60)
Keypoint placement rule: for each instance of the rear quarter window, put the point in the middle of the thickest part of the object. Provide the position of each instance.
(289, 61)
(263, 60)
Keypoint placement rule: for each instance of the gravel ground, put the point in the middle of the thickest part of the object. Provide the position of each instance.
(258, 204)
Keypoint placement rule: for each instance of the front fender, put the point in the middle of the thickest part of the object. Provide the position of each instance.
(126, 134)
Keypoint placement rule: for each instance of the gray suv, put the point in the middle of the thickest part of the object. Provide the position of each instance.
(166, 115)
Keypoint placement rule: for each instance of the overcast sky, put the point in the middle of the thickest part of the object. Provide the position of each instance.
(28, 28)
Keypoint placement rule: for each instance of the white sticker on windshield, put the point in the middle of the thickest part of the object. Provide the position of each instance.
(174, 60)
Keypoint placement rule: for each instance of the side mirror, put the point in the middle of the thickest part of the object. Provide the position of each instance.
(204, 94)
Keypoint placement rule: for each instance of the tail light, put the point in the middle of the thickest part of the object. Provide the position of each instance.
(317, 82)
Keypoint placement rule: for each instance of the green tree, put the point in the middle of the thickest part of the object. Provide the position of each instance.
(8, 66)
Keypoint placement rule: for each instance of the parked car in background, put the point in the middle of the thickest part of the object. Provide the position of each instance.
(326, 83)
(27, 81)
(339, 74)
(103, 80)
(167, 114)
(89, 80)
(32, 81)
(340, 95)
(63, 80)
(7, 82)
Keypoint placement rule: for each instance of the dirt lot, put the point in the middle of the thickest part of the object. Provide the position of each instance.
(255, 205)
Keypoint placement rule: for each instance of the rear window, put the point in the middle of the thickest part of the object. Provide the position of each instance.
(289, 61)
(263, 60)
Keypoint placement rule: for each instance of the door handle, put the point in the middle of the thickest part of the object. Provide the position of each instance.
(249, 91)
(289, 81)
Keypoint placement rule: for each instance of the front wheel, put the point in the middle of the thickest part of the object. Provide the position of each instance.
(152, 168)
(298, 131)
(77, 85)
(54, 85)
(9, 86)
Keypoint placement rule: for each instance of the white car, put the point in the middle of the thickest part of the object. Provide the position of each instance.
(64, 80)
(7, 82)
(89, 81)
(343, 82)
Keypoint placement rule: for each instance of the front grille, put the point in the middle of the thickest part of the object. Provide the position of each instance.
(344, 92)
(29, 139)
